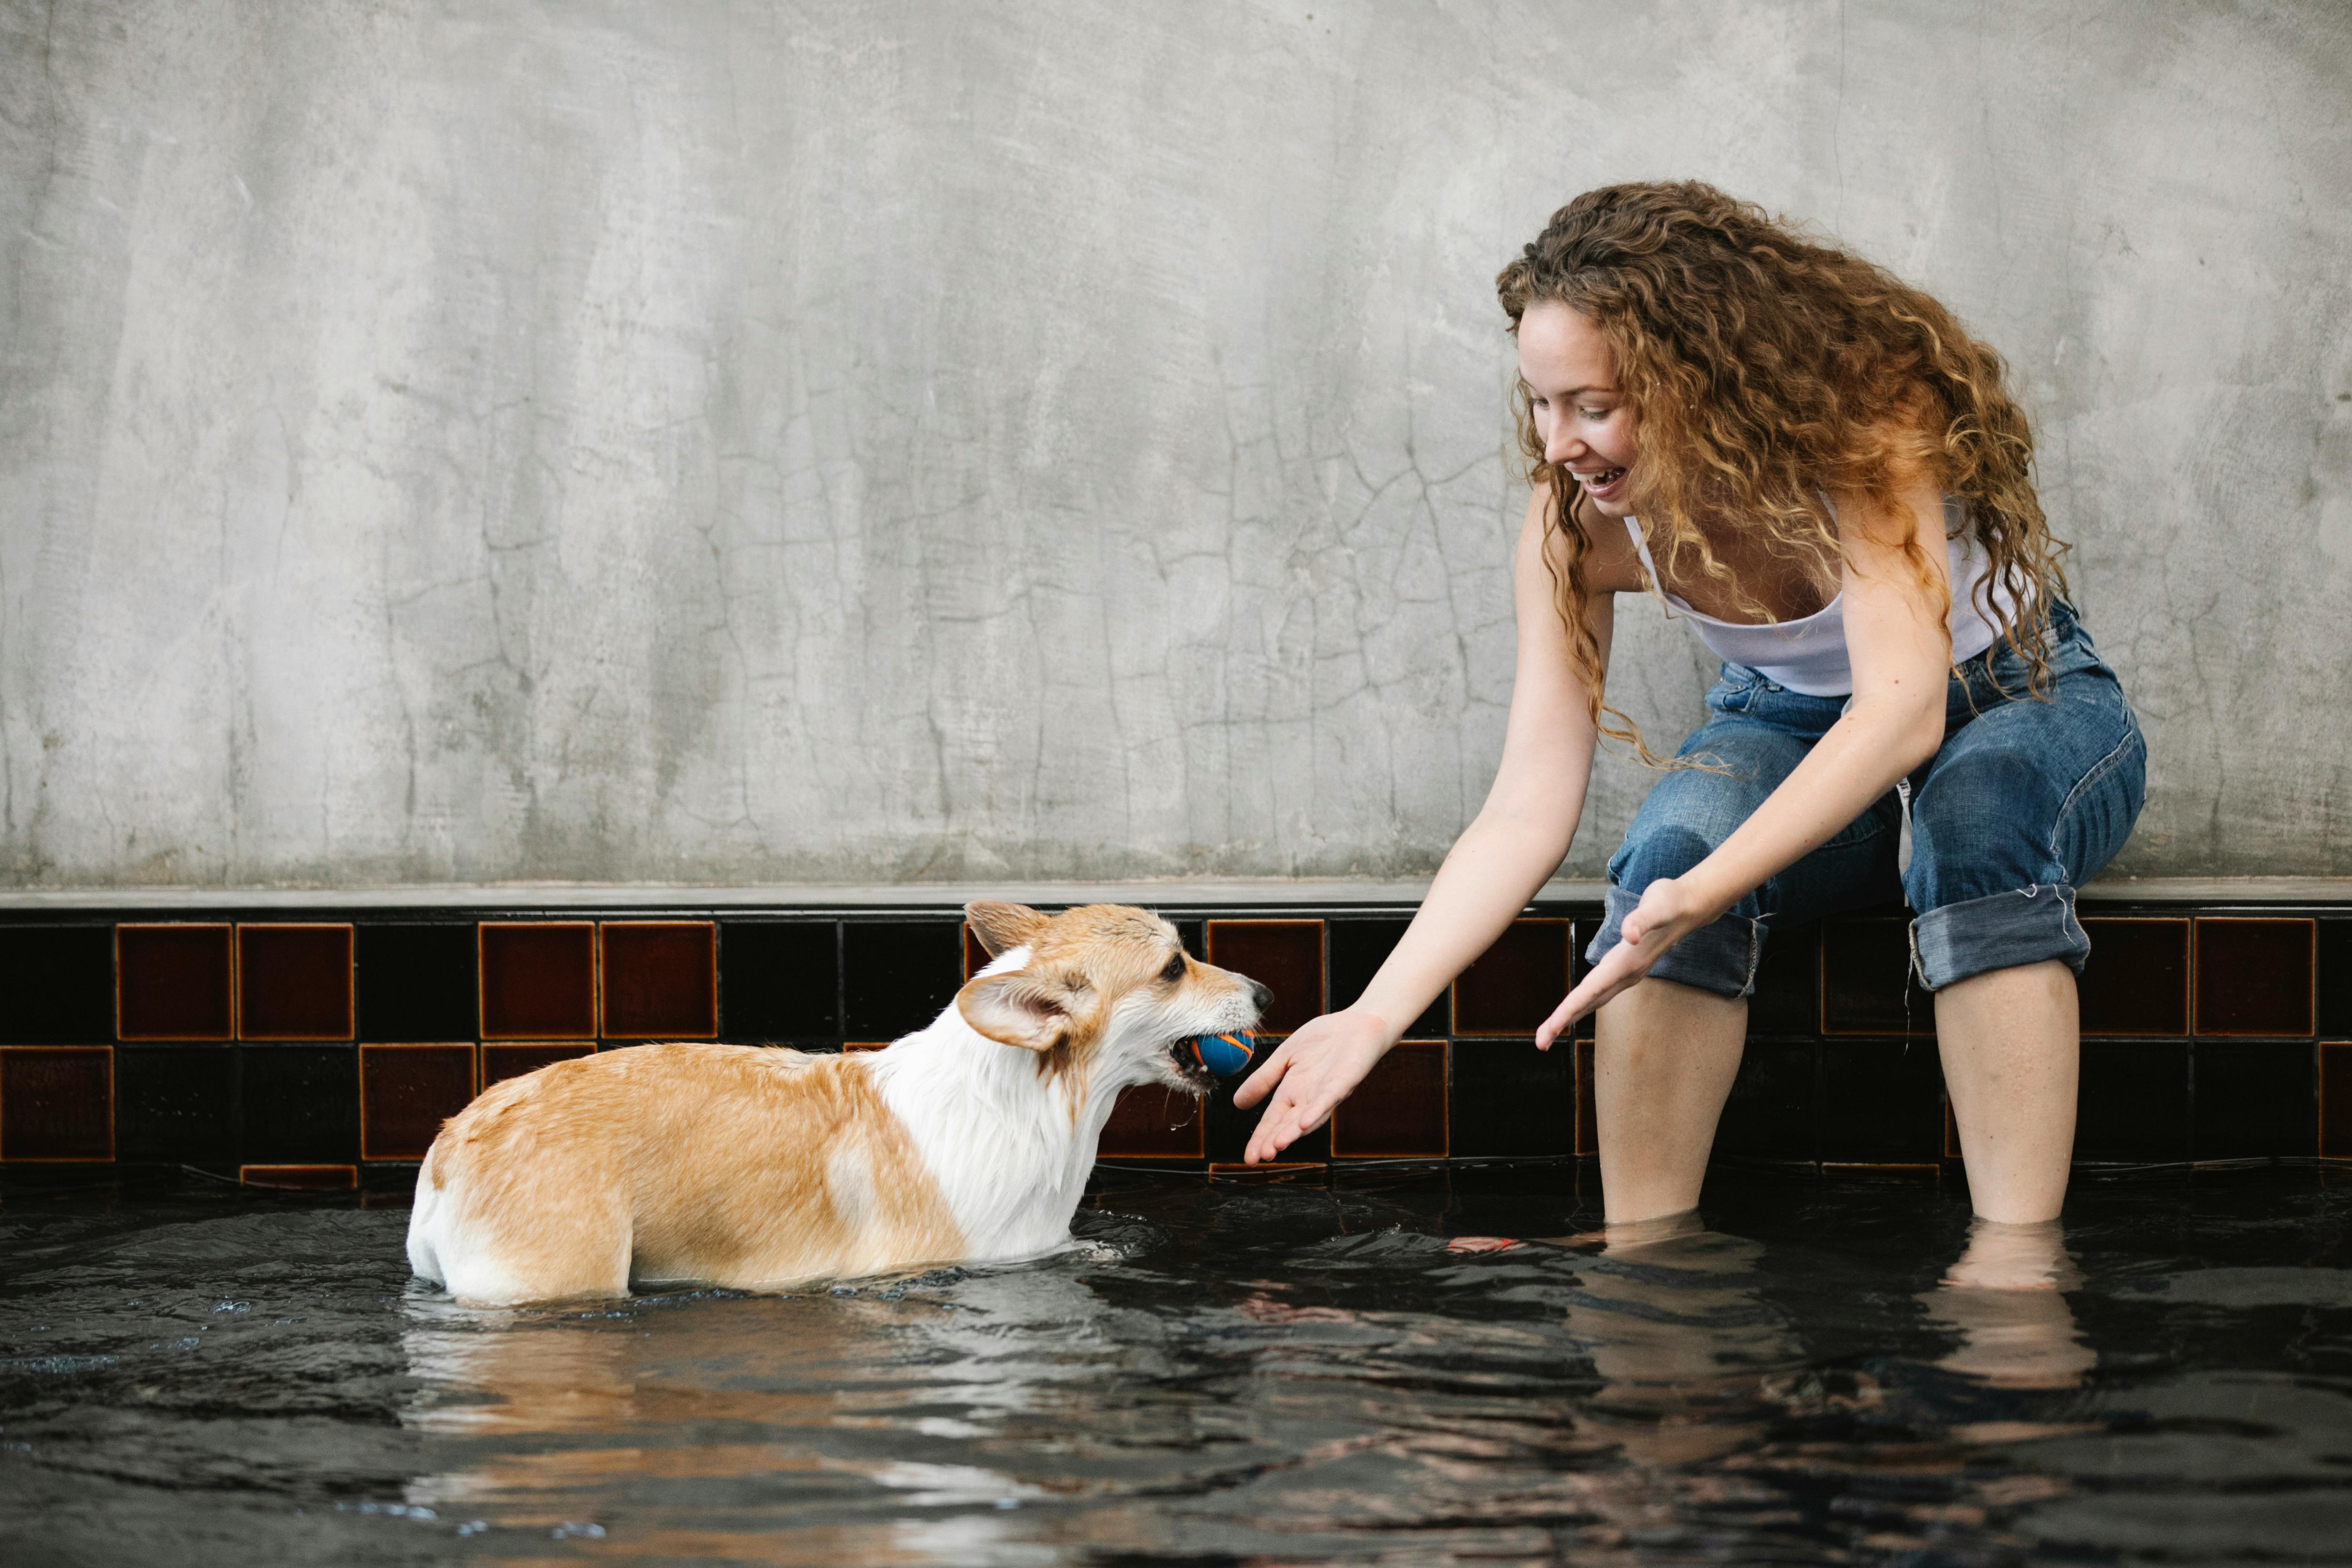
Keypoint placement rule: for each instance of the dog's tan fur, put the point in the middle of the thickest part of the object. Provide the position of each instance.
(736, 1164)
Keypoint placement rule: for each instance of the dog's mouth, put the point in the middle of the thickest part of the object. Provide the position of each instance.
(1186, 1062)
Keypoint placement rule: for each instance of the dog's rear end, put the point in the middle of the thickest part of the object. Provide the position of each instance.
(734, 1165)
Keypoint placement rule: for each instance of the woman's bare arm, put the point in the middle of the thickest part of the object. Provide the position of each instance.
(1900, 647)
(1517, 839)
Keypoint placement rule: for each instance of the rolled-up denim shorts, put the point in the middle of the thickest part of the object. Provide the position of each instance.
(2025, 800)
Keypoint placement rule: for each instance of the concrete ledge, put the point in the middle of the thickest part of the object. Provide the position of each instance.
(1175, 892)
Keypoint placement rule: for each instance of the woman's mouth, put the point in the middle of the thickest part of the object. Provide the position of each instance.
(1602, 484)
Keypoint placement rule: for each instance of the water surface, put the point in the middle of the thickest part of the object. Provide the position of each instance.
(1217, 1374)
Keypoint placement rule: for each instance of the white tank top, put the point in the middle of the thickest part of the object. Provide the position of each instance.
(1809, 655)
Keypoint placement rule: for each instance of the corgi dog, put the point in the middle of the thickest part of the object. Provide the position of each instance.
(969, 1140)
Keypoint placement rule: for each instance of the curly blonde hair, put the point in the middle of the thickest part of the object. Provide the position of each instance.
(1765, 368)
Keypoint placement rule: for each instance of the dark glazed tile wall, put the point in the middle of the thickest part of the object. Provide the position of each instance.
(2221, 1034)
(661, 979)
(2255, 976)
(2135, 980)
(60, 985)
(896, 976)
(294, 982)
(406, 1092)
(171, 982)
(56, 1102)
(539, 980)
(1514, 985)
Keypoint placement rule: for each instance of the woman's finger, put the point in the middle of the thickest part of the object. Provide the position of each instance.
(1561, 1017)
(1258, 1084)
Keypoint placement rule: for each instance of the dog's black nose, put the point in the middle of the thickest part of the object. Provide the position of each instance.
(1260, 997)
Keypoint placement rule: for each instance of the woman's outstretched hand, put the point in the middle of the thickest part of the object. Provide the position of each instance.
(1666, 916)
(1308, 1075)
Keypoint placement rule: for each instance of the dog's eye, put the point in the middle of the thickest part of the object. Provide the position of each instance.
(1175, 969)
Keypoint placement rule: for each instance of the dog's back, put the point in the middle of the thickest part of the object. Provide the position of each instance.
(734, 1165)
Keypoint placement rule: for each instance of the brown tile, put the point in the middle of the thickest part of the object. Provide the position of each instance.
(500, 1062)
(56, 1102)
(2335, 1099)
(1867, 984)
(2136, 980)
(1283, 956)
(1951, 1132)
(2255, 976)
(406, 1092)
(539, 980)
(661, 979)
(300, 1179)
(1398, 1112)
(171, 982)
(1514, 984)
(1152, 1120)
(975, 956)
(294, 982)
(1588, 1117)
(866, 1045)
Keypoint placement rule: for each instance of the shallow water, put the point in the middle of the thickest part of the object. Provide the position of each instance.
(1226, 1373)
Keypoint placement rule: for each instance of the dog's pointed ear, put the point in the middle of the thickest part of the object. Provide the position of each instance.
(1001, 927)
(1021, 1009)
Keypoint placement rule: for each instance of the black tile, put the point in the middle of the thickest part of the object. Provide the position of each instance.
(2137, 979)
(171, 981)
(1512, 1100)
(1787, 1000)
(2335, 1099)
(2133, 1106)
(1398, 1112)
(416, 982)
(2255, 1099)
(2335, 979)
(1194, 935)
(2255, 976)
(779, 980)
(60, 982)
(1773, 1112)
(176, 1103)
(897, 975)
(1358, 950)
(1229, 1128)
(1866, 982)
(1882, 1103)
(301, 1102)
(56, 1102)
(1514, 984)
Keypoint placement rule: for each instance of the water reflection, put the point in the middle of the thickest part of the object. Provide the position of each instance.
(2005, 1299)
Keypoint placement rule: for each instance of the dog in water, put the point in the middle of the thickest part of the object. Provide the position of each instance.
(969, 1140)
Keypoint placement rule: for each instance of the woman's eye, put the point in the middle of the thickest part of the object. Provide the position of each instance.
(1175, 969)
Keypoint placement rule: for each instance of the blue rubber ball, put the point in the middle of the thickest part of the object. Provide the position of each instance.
(1226, 1055)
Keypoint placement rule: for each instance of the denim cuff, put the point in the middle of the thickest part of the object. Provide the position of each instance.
(1720, 957)
(1998, 931)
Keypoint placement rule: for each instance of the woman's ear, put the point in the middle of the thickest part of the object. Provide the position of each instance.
(1001, 927)
(1020, 1008)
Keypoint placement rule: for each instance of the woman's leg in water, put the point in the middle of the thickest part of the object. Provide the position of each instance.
(2010, 1040)
(1663, 1060)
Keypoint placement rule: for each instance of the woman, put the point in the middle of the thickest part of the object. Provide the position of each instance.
(1821, 470)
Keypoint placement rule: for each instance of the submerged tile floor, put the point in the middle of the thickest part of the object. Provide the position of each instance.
(322, 1050)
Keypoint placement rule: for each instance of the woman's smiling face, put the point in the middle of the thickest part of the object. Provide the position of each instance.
(1586, 423)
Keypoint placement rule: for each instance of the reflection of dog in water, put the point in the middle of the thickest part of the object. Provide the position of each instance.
(968, 1140)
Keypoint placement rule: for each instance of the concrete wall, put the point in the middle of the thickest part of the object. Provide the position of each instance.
(699, 441)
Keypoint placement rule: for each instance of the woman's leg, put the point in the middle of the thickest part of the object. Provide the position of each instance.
(1667, 1051)
(1663, 1061)
(2008, 1040)
(2025, 801)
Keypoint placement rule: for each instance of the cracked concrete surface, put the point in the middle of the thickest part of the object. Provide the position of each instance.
(505, 439)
